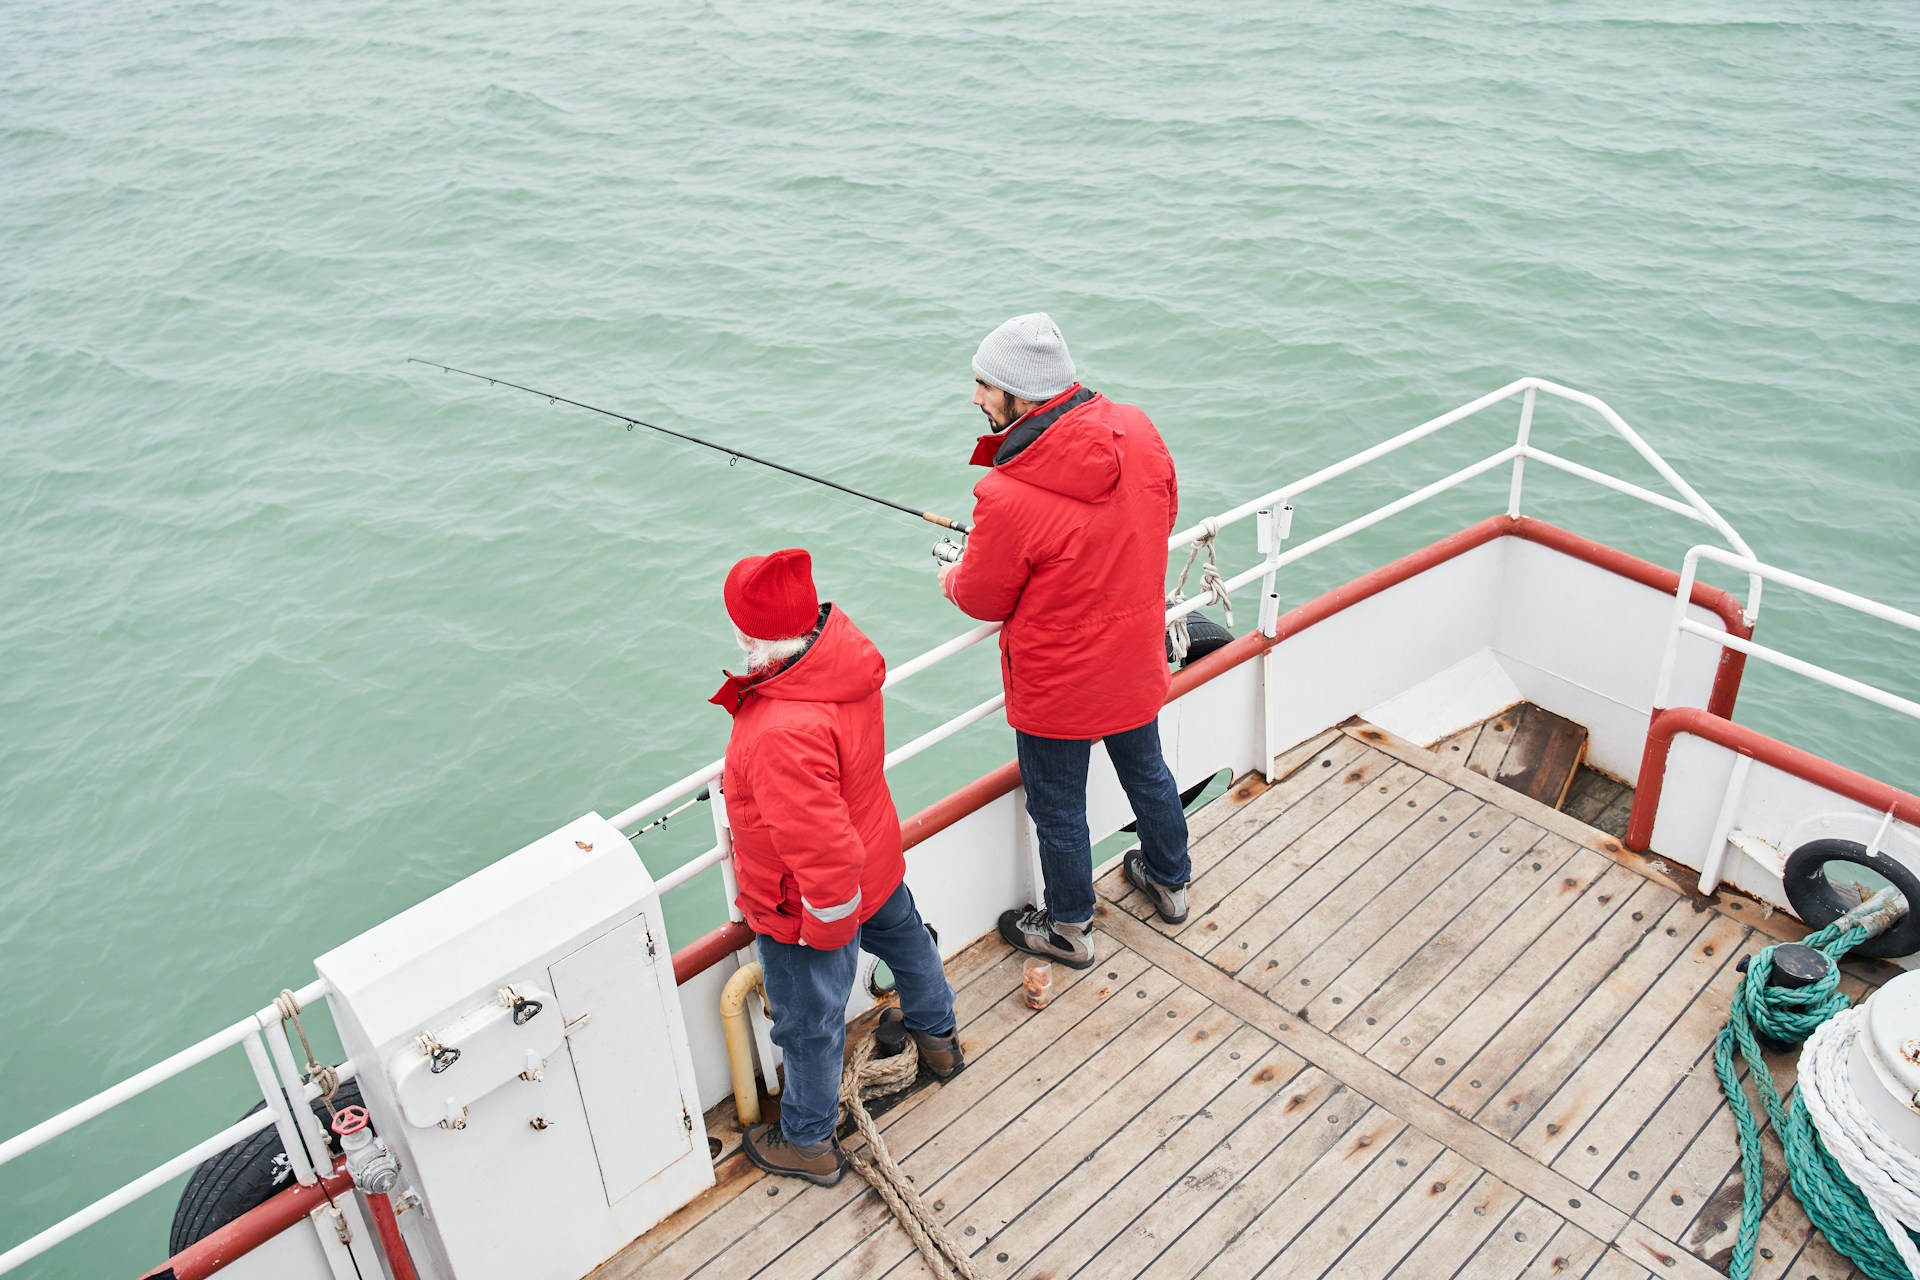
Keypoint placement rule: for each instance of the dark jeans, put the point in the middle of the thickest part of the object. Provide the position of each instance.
(1054, 772)
(808, 990)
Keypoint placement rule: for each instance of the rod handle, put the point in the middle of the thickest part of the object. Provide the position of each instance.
(944, 523)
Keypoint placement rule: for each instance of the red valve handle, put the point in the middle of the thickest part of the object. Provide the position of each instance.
(351, 1120)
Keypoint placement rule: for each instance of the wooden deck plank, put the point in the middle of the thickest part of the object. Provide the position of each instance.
(1521, 1236)
(1245, 836)
(1252, 875)
(1327, 768)
(1171, 1240)
(1567, 1253)
(1677, 1126)
(1458, 744)
(1320, 858)
(1339, 894)
(1086, 1210)
(1273, 1214)
(1467, 950)
(1437, 1036)
(1639, 1058)
(1386, 1238)
(1064, 1133)
(1145, 1214)
(1449, 1243)
(1347, 969)
(1427, 893)
(1495, 736)
(1402, 1176)
(1614, 1265)
(1609, 1029)
(1541, 758)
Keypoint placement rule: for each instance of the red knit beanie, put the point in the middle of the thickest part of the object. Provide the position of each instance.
(771, 597)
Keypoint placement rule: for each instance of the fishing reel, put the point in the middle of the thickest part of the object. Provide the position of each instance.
(947, 551)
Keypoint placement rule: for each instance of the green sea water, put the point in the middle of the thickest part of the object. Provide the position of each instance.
(293, 634)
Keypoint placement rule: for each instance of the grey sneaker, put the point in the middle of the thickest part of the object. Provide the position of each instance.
(1036, 932)
(1171, 903)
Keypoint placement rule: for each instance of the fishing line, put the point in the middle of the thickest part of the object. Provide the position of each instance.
(733, 455)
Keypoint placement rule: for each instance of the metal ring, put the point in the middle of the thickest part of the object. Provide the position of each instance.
(1816, 901)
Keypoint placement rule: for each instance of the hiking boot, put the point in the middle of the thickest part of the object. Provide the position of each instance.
(940, 1055)
(1171, 903)
(818, 1162)
(1036, 932)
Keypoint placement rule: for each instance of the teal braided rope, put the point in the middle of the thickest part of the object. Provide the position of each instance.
(1831, 1200)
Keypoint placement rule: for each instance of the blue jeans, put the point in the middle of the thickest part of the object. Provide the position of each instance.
(808, 990)
(1054, 772)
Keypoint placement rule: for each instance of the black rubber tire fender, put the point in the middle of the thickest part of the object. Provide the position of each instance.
(244, 1176)
(1816, 901)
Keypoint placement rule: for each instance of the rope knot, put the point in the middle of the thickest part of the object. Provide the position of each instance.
(1212, 586)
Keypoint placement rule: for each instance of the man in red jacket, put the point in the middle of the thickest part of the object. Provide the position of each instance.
(1069, 549)
(816, 850)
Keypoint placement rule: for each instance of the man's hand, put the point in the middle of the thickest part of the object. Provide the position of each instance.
(942, 570)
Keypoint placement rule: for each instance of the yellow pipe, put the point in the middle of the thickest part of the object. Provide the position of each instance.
(733, 1016)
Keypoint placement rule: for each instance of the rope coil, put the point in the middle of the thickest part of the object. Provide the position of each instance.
(866, 1078)
(1834, 1201)
(1212, 586)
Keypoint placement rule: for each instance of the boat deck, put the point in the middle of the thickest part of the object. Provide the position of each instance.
(1416, 1025)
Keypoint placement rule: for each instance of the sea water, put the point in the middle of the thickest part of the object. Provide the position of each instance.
(293, 633)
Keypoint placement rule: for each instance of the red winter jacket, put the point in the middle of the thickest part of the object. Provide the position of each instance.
(816, 839)
(1069, 548)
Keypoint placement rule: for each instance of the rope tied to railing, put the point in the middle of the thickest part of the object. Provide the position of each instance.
(1212, 586)
(288, 1007)
(1835, 1203)
(865, 1078)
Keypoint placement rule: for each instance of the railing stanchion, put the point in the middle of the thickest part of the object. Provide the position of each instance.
(1715, 862)
(1520, 458)
(1271, 533)
(282, 1114)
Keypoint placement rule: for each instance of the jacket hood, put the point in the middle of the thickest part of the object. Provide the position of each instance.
(1077, 455)
(841, 665)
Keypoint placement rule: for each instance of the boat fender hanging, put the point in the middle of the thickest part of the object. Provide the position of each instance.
(244, 1176)
(1817, 901)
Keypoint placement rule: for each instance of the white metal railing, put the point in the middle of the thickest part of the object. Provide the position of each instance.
(1713, 865)
(1682, 625)
(263, 1037)
(1273, 511)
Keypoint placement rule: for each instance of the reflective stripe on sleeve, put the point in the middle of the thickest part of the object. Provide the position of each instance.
(827, 915)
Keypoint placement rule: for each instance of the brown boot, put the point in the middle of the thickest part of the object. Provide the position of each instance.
(818, 1162)
(940, 1055)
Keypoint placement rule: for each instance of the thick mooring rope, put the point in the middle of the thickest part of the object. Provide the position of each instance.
(1832, 1201)
(869, 1077)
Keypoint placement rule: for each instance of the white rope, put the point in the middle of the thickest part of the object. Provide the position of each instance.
(1212, 586)
(1874, 1160)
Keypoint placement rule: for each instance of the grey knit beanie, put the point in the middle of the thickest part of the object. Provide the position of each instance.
(1026, 356)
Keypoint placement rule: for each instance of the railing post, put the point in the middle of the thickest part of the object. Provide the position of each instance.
(1713, 866)
(1520, 459)
(283, 1119)
(1271, 533)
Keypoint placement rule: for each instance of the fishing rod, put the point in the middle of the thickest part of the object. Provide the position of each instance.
(731, 453)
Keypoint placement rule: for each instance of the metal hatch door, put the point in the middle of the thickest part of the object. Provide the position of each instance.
(610, 994)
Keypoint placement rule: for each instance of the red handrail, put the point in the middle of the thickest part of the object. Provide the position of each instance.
(1696, 722)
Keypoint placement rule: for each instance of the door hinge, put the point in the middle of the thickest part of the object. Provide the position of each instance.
(686, 1118)
(651, 951)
